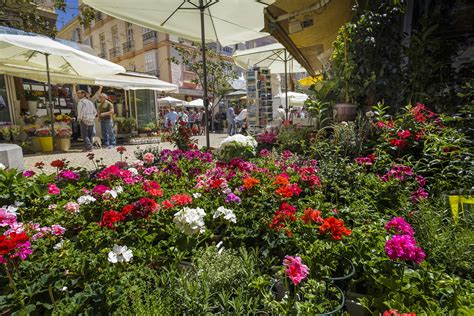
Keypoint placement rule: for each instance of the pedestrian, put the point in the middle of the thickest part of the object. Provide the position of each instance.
(172, 117)
(199, 119)
(106, 112)
(231, 120)
(241, 119)
(86, 113)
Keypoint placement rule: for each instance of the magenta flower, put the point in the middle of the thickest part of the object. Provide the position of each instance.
(7, 218)
(398, 225)
(68, 175)
(295, 269)
(100, 189)
(28, 173)
(403, 247)
(53, 189)
(419, 194)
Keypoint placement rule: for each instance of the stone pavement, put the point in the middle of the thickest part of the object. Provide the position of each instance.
(78, 158)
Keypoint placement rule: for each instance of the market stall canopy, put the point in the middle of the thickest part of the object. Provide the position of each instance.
(136, 81)
(171, 101)
(228, 22)
(294, 98)
(307, 28)
(28, 52)
(269, 56)
(198, 103)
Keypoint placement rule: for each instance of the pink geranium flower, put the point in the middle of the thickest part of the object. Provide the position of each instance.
(7, 218)
(148, 158)
(57, 230)
(295, 269)
(53, 189)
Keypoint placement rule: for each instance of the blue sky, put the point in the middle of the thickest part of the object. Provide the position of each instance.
(71, 12)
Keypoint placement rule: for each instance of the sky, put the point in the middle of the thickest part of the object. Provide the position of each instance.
(72, 11)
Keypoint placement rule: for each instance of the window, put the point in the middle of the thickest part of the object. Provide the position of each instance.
(129, 31)
(115, 37)
(103, 45)
(150, 60)
(76, 35)
(87, 41)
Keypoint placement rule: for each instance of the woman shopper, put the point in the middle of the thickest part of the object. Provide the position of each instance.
(86, 113)
(106, 112)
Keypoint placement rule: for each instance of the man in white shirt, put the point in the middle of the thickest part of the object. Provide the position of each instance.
(86, 113)
(241, 118)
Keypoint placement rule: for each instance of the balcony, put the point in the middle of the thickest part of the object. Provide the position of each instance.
(150, 38)
(128, 47)
(114, 52)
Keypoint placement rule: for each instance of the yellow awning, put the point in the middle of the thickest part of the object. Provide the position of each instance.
(308, 81)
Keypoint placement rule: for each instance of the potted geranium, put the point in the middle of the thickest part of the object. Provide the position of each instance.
(45, 139)
(64, 135)
(32, 100)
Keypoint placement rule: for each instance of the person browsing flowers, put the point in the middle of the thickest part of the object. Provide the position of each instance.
(86, 113)
(106, 111)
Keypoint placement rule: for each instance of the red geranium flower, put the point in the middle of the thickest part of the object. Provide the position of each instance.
(404, 134)
(153, 188)
(311, 215)
(58, 164)
(109, 218)
(167, 204)
(144, 207)
(121, 149)
(181, 199)
(282, 179)
(336, 226)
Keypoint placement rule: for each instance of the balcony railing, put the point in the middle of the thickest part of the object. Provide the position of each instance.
(114, 52)
(128, 46)
(149, 37)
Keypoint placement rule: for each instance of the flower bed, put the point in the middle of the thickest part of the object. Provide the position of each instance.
(182, 232)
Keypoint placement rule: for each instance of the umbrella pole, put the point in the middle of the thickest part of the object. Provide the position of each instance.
(286, 88)
(50, 95)
(204, 70)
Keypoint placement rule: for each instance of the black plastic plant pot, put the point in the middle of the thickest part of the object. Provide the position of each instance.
(338, 309)
(343, 281)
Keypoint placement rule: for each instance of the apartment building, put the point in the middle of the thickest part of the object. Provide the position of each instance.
(135, 48)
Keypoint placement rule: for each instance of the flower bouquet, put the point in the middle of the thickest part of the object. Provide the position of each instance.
(30, 130)
(15, 132)
(64, 132)
(43, 132)
(62, 118)
(5, 132)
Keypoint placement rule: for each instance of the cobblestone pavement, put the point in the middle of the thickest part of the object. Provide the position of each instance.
(109, 156)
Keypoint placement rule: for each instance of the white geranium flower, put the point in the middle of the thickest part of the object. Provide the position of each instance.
(133, 171)
(111, 193)
(86, 199)
(197, 195)
(59, 245)
(2, 166)
(190, 220)
(241, 139)
(120, 254)
(228, 214)
(118, 189)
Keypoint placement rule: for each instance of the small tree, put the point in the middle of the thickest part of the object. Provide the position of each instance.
(23, 14)
(219, 72)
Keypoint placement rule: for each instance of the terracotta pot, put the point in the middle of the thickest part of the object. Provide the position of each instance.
(345, 112)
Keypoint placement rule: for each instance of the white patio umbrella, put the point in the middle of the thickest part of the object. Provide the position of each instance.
(274, 57)
(198, 103)
(228, 22)
(293, 98)
(42, 53)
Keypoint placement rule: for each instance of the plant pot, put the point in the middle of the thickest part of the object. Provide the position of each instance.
(64, 144)
(46, 143)
(32, 107)
(345, 112)
(35, 144)
(344, 274)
